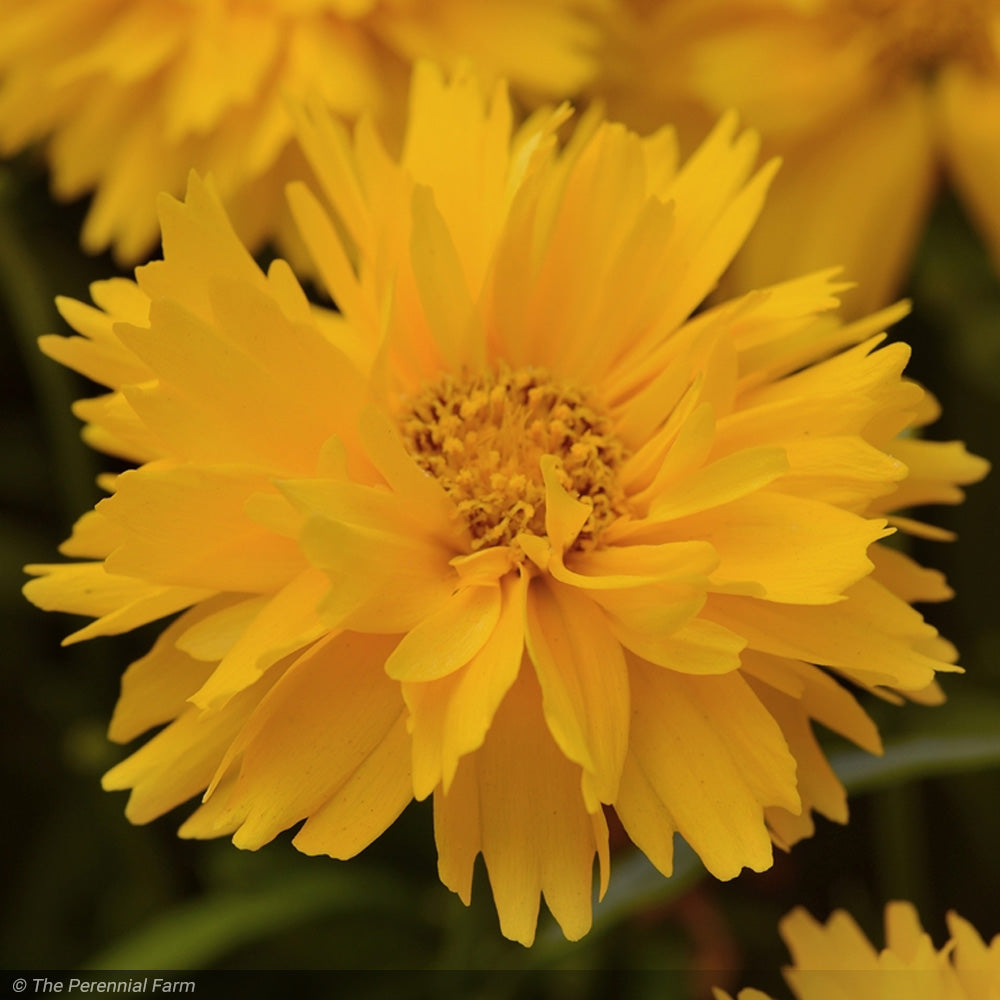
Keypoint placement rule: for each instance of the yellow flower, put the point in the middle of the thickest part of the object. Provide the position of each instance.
(131, 94)
(837, 962)
(865, 100)
(513, 528)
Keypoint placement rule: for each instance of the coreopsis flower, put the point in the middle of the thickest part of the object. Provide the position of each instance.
(129, 95)
(515, 527)
(867, 102)
(837, 961)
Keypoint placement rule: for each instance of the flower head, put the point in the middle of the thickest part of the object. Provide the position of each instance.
(515, 527)
(837, 960)
(865, 100)
(131, 94)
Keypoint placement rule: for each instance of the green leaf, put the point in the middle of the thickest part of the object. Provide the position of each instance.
(194, 935)
(916, 757)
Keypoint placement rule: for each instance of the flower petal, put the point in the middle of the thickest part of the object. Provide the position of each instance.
(705, 753)
(581, 670)
(324, 719)
(120, 603)
(366, 805)
(839, 635)
(517, 799)
(186, 526)
(381, 581)
(287, 622)
(450, 717)
(793, 549)
(180, 760)
(448, 638)
(156, 687)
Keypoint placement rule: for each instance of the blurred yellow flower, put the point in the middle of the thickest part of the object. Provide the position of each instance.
(131, 94)
(865, 100)
(513, 528)
(837, 962)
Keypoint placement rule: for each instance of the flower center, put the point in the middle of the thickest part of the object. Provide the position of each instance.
(920, 35)
(482, 437)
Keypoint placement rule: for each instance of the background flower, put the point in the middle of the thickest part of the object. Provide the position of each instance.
(867, 102)
(513, 528)
(837, 960)
(129, 96)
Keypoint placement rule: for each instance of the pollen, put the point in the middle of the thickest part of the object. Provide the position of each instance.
(483, 436)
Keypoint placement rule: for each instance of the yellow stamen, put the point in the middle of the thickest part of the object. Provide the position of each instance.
(482, 437)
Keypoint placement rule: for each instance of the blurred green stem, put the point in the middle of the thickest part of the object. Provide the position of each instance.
(901, 845)
(27, 298)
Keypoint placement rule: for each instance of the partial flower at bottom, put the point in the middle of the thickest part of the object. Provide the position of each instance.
(516, 527)
(836, 961)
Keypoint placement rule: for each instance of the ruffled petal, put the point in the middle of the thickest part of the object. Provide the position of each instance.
(450, 717)
(517, 800)
(704, 759)
(316, 731)
(585, 694)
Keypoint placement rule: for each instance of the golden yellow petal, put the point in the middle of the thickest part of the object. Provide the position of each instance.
(697, 770)
(284, 623)
(838, 945)
(180, 760)
(936, 470)
(210, 637)
(711, 486)
(114, 428)
(977, 965)
(517, 799)
(838, 635)
(896, 571)
(185, 526)
(366, 805)
(381, 581)
(450, 717)
(327, 250)
(98, 354)
(794, 550)
(585, 693)
(207, 370)
(93, 537)
(156, 687)
(822, 697)
(462, 152)
(903, 933)
(565, 516)
(818, 786)
(426, 498)
(323, 719)
(448, 638)
(118, 603)
(445, 298)
(695, 647)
